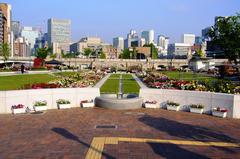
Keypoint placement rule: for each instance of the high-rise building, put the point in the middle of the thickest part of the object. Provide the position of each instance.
(148, 36)
(6, 36)
(118, 43)
(163, 42)
(22, 47)
(132, 39)
(16, 29)
(142, 42)
(205, 32)
(188, 39)
(30, 34)
(59, 35)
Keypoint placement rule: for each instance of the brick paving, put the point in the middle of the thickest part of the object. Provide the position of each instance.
(67, 134)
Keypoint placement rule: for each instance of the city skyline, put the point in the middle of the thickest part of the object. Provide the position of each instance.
(117, 18)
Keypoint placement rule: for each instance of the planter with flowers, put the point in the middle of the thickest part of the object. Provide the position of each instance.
(219, 112)
(151, 104)
(40, 106)
(196, 108)
(18, 109)
(173, 106)
(63, 104)
(87, 103)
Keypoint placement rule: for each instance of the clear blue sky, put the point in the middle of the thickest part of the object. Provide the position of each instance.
(111, 18)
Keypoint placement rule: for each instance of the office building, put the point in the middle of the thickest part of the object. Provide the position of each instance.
(59, 35)
(30, 34)
(118, 42)
(188, 39)
(22, 47)
(16, 29)
(87, 42)
(132, 39)
(148, 36)
(41, 42)
(205, 32)
(6, 15)
(179, 50)
(163, 42)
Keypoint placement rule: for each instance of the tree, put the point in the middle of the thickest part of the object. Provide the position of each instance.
(226, 35)
(102, 55)
(5, 51)
(87, 52)
(42, 53)
(125, 54)
(53, 56)
(199, 53)
(154, 51)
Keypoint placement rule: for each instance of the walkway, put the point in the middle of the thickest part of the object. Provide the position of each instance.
(140, 83)
(144, 133)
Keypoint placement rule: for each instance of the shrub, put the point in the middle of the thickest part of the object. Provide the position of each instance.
(172, 103)
(197, 106)
(40, 103)
(63, 101)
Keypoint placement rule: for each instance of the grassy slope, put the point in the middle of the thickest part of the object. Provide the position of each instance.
(18, 81)
(129, 84)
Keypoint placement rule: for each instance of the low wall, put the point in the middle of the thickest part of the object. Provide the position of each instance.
(28, 97)
(185, 98)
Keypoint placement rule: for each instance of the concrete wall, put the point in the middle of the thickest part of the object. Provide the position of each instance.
(185, 98)
(28, 97)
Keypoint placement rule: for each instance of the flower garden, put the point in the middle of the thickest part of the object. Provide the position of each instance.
(162, 81)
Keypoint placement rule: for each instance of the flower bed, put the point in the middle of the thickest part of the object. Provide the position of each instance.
(219, 112)
(78, 80)
(18, 109)
(161, 81)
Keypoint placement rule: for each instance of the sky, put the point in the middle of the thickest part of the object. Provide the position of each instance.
(112, 18)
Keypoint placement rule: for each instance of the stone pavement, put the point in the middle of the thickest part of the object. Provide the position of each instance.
(139, 134)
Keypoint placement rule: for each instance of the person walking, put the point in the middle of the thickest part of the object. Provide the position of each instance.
(22, 68)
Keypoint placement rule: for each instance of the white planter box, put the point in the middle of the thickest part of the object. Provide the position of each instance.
(219, 114)
(87, 105)
(173, 108)
(64, 106)
(195, 110)
(149, 105)
(19, 111)
(40, 108)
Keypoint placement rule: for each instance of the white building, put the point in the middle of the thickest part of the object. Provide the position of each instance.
(163, 42)
(179, 50)
(148, 36)
(188, 39)
(30, 34)
(118, 43)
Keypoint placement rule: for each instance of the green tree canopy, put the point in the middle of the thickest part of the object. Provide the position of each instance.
(125, 54)
(102, 55)
(5, 51)
(199, 53)
(42, 53)
(154, 51)
(226, 35)
(87, 52)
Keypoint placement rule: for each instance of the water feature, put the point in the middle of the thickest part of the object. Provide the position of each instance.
(120, 100)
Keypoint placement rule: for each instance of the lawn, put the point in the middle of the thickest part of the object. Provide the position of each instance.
(187, 76)
(18, 81)
(112, 84)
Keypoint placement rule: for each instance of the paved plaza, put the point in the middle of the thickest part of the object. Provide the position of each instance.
(100, 133)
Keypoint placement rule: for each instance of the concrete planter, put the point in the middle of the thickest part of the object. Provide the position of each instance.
(149, 105)
(173, 108)
(196, 110)
(219, 114)
(87, 105)
(40, 108)
(64, 106)
(19, 111)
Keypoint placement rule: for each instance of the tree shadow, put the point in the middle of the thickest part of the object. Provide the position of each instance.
(170, 151)
(68, 135)
(187, 131)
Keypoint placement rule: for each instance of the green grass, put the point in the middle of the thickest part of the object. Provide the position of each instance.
(187, 76)
(18, 81)
(112, 84)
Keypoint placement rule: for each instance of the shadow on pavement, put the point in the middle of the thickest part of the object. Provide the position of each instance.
(68, 135)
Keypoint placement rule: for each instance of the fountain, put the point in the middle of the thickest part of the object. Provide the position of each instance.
(119, 101)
